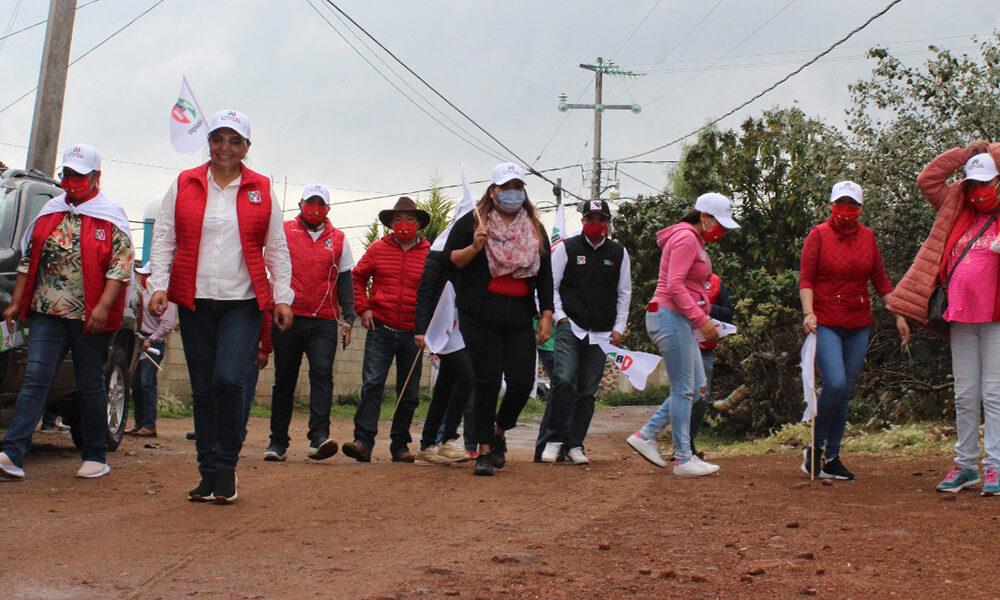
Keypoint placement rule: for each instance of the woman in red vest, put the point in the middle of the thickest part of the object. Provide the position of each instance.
(217, 237)
(71, 282)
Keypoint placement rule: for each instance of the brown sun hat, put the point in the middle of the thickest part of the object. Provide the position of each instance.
(406, 205)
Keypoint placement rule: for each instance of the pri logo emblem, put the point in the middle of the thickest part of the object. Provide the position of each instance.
(254, 197)
(329, 244)
(99, 234)
(581, 260)
(184, 112)
(77, 152)
(623, 361)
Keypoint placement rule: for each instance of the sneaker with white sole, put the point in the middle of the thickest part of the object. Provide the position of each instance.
(647, 449)
(323, 450)
(577, 457)
(694, 468)
(275, 453)
(431, 455)
(453, 450)
(8, 470)
(551, 452)
(91, 469)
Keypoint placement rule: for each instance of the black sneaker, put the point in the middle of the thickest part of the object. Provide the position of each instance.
(225, 486)
(275, 453)
(357, 451)
(205, 489)
(484, 465)
(190, 436)
(815, 458)
(834, 469)
(499, 452)
(323, 450)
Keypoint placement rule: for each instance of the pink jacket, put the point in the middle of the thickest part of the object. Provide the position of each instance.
(915, 288)
(684, 272)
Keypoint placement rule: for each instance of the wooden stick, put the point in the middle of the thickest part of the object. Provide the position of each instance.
(407, 382)
(812, 454)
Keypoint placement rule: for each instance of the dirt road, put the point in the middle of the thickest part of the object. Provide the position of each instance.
(620, 528)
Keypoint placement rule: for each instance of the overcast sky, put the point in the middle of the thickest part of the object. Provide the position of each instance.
(319, 113)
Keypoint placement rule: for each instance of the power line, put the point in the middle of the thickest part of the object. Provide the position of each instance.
(10, 24)
(634, 31)
(474, 143)
(637, 180)
(440, 95)
(40, 23)
(82, 56)
(772, 86)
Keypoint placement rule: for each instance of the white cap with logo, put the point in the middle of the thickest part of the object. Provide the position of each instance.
(504, 172)
(847, 189)
(233, 119)
(81, 158)
(981, 167)
(315, 189)
(719, 207)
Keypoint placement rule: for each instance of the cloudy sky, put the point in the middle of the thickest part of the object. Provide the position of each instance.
(320, 113)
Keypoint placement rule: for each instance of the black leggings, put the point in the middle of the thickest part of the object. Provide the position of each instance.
(501, 343)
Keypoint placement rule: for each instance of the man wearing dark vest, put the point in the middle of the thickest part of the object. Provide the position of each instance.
(324, 291)
(592, 280)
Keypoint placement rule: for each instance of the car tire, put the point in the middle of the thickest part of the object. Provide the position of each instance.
(119, 394)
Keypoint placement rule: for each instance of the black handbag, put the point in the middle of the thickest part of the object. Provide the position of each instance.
(938, 302)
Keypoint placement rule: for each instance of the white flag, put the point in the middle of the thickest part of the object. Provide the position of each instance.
(808, 366)
(636, 366)
(558, 228)
(721, 327)
(442, 334)
(188, 127)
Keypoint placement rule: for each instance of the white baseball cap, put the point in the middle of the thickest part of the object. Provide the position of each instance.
(981, 167)
(233, 119)
(82, 158)
(504, 172)
(315, 189)
(719, 207)
(847, 189)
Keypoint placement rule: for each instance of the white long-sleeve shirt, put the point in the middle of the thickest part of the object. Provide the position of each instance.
(559, 259)
(222, 270)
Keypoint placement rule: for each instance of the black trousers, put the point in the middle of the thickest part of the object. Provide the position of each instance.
(501, 343)
(454, 385)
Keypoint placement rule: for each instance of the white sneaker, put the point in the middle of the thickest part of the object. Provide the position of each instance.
(453, 450)
(695, 468)
(431, 456)
(8, 470)
(576, 456)
(647, 449)
(91, 469)
(551, 452)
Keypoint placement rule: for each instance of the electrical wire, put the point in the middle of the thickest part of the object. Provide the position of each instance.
(40, 23)
(771, 87)
(10, 24)
(84, 55)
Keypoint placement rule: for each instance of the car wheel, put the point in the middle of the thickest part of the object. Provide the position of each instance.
(118, 396)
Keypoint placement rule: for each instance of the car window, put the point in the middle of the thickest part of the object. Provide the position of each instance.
(8, 217)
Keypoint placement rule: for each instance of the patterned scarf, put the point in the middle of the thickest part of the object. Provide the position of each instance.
(512, 249)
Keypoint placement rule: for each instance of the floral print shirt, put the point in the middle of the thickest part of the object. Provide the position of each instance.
(59, 287)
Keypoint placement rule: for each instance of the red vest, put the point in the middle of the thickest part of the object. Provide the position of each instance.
(253, 212)
(96, 250)
(314, 269)
(714, 289)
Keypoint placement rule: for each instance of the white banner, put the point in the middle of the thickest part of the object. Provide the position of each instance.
(636, 366)
(559, 227)
(808, 365)
(188, 127)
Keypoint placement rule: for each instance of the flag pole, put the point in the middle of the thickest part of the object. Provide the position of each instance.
(812, 458)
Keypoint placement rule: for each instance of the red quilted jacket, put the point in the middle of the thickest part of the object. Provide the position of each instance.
(395, 275)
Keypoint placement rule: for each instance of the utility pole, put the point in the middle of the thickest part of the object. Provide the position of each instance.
(600, 69)
(45, 124)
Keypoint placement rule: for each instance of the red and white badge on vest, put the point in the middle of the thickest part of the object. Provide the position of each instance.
(254, 197)
(99, 234)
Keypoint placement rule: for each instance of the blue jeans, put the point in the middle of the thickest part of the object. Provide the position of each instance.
(674, 336)
(220, 342)
(840, 356)
(49, 340)
(700, 406)
(381, 347)
(317, 339)
(577, 371)
(144, 392)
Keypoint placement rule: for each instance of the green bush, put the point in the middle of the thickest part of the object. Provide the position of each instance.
(651, 396)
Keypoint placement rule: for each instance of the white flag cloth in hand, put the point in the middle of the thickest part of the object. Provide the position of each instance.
(636, 366)
(188, 127)
(808, 365)
(558, 228)
(721, 327)
(461, 208)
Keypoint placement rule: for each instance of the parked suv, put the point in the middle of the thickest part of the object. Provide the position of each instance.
(22, 195)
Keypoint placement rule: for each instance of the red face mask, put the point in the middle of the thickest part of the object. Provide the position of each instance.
(714, 234)
(984, 198)
(405, 230)
(78, 187)
(314, 214)
(595, 232)
(845, 214)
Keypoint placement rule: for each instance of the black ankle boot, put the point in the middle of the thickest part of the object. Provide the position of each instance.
(205, 489)
(484, 465)
(499, 452)
(225, 486)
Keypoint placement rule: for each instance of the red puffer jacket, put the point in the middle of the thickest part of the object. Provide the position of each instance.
(395, 275)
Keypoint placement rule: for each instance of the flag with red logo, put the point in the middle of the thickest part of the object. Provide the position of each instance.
(188, 126)
(558, 228)
(635, 366)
